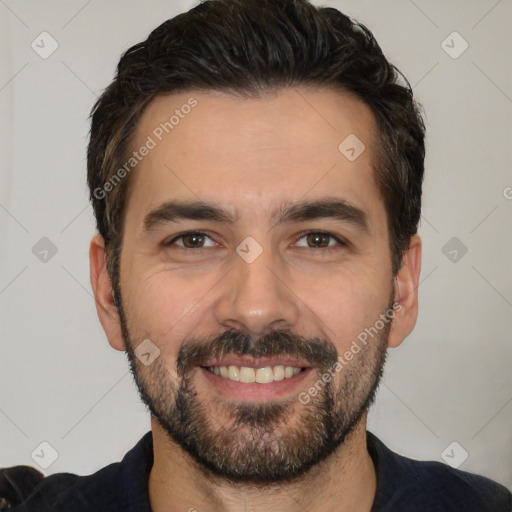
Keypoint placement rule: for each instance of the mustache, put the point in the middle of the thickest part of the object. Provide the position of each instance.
(318, 352)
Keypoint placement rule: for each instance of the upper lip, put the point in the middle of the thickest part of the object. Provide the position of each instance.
(251, 362)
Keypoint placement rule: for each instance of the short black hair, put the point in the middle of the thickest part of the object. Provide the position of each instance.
(249, 47)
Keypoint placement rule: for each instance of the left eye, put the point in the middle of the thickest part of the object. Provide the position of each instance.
(319, 240)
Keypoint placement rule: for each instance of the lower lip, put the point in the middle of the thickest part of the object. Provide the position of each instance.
(253, 390)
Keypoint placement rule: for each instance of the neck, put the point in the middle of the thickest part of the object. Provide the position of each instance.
(345, 481)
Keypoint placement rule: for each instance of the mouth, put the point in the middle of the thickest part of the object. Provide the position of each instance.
(264, 375)
(255, 379)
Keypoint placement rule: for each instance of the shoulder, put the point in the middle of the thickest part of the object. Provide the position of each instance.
(408, 484)
(444, 488)
(72, 493)
(120, 486)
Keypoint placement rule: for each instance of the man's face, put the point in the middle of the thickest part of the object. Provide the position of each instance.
(268, 284)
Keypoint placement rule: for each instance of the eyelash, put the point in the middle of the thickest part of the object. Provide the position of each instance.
(340, 242)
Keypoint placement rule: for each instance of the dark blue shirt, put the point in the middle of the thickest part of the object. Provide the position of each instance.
(403, 485)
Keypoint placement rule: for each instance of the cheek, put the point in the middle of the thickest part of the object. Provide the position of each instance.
(347, 301)
(163, 306)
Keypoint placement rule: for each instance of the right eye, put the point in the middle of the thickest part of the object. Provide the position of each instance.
(191, 240)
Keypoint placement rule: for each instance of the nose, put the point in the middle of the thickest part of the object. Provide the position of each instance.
(258, 296)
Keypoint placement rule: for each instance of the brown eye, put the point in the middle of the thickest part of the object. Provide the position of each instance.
(319, 240)
(192, 240)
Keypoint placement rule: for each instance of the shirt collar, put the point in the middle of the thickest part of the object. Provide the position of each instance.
(134, 477)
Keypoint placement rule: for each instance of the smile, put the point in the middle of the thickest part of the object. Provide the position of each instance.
(248, 375)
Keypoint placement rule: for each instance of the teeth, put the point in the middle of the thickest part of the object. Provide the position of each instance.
(247, 374)
(233, 373)
(259, 375)
(278, 372)
(264, 375)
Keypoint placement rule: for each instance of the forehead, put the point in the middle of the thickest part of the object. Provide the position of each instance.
(251, 155)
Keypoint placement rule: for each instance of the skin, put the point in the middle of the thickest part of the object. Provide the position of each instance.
(251, 156)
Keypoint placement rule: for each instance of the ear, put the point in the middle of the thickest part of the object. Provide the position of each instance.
(406, 294)
(102, 288)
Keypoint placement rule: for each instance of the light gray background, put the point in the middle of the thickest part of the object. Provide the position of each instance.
(60, 381)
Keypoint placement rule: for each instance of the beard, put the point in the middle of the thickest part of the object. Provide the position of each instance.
(259, 443)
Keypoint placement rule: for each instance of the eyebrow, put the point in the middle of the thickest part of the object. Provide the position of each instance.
(334, 208)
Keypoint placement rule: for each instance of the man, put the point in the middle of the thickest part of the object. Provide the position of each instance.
(256, 170)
